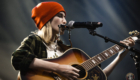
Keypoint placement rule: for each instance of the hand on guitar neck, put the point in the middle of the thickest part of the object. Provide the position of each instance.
(129, 42)
(120, 56)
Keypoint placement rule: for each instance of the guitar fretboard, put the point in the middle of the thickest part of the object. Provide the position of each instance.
(99, 58)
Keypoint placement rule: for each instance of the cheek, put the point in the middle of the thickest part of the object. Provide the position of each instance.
(55, 22)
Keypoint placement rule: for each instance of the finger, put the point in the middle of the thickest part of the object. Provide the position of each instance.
(75, 77)
(127, 41)
(124, 43)
(132, 41)
(75, 74)
(76, 70)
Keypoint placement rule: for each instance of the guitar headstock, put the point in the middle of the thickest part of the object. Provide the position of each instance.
(134, 33)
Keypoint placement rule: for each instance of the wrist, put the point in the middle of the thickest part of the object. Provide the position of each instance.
(122, 51)
(122, 54)
(56, 67)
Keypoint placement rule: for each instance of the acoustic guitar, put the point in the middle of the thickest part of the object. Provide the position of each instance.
(75, 57)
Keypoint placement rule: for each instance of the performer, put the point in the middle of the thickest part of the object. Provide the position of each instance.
(45, 43)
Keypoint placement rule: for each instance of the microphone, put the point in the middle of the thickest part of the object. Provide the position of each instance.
(89, 25)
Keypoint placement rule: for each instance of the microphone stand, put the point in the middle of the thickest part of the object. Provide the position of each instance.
(135, 57)
(136, 62)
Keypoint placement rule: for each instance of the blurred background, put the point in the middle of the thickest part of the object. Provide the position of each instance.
(118, 18)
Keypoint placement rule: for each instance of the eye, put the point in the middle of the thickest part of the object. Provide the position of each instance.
(60, 15)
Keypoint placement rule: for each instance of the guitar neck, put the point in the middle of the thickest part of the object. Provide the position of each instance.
(99, 58)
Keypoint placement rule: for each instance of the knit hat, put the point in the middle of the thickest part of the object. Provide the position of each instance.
(45, 11)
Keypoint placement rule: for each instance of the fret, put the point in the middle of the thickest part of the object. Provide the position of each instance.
(93, 61)
(117, 48)
(84, 65)
(88, 67)
(107, 55)
(90, 64)
(102, 56)
(109, 52)
(97, 59)
(114, 49)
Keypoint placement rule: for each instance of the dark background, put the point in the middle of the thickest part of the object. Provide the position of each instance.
(118, 18)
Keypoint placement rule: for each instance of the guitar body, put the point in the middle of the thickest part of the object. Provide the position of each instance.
(73, 57)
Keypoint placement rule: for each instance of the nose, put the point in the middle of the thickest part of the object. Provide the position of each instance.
(64, 20)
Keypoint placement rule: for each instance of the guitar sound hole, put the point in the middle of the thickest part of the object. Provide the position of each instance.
(82, 72)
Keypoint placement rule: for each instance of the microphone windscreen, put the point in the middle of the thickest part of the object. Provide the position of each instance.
(70, 24)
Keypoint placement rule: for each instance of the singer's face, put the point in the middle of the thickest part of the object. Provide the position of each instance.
(57, 20)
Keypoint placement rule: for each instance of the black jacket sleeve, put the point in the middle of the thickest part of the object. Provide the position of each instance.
(24, 55)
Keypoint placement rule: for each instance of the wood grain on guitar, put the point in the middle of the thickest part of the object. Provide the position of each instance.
(72, 56)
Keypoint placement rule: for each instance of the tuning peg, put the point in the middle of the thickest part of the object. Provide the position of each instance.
(131, 55)
(136, 31)
(130, 33)
(133, 32)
